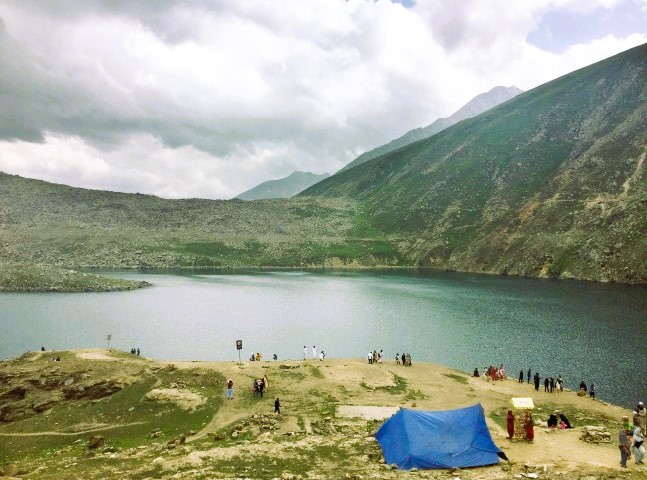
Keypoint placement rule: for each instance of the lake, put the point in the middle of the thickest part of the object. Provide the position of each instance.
(583, 331)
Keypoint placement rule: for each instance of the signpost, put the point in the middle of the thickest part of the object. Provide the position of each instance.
(239, 347)
(109, 338)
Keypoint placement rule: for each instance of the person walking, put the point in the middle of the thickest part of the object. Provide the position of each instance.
(277, 406)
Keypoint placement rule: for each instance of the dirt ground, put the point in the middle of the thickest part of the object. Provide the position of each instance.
(352, 397)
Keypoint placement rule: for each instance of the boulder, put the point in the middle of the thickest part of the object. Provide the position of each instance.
(96, 441)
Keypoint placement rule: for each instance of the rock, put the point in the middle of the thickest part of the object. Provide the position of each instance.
(96, 441)
(10, 470)
(179, 440)
(595, 434)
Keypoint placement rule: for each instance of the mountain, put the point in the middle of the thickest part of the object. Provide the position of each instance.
(283, 187)
(479, 104)
(550, 183)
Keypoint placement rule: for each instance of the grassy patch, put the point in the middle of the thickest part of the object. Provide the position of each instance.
(459, 378)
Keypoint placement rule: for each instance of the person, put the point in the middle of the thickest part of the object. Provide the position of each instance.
(230, 389)
(380, 357)
(520, 376)
(277, 406)
(42, 349)
(529, 375)
(261, 386)
(275, 357)
(623, 444)
(397, 359)
(305, 352)
(510, 423)
(641, 416)
(552, 385)
(638, 449)
(528, 425)
(322, 355)
(546, 383)
(552, 421)
(560, 384)
(582, 391)
(370, 358)
(536, 378)
(565, 421)
(592, 391)
(476, 372)
(314, 352)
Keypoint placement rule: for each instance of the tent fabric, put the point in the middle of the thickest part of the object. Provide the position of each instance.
(438, 439)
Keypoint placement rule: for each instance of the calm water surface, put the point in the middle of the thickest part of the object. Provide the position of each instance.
(582, 331)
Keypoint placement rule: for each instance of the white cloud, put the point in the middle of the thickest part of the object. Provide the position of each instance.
(211, 98)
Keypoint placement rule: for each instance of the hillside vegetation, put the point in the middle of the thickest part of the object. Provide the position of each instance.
(551, 183)
(44, 226)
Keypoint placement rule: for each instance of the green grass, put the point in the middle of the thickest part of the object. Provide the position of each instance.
(459, 378)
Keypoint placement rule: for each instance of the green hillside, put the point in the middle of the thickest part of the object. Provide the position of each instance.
(44, 226)
(551, 183)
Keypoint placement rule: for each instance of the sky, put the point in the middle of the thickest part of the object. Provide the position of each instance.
(209, 98)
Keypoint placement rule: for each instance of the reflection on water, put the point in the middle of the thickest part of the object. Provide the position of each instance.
(582, 331)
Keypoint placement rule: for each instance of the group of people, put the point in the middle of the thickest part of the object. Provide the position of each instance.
(259, 387)
(375, 357)
(492, 373)
(582, 390)
(551, 384)
(321, 356)
(135, 351)
(528, 425)
(632, 437)
(562, 422)
(405, 359)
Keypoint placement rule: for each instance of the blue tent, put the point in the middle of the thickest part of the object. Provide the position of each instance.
(438, 439)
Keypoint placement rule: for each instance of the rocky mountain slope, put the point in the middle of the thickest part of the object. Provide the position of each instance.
(551, 183)
(283, 187)
(479, 104)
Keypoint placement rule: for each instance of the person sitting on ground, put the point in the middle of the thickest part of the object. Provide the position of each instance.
(552, 421)
(565, 421)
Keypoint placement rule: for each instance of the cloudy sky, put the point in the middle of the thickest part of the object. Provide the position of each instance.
(208, 98)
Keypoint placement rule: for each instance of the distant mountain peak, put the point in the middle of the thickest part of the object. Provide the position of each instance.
(285, 187)
(479, 104)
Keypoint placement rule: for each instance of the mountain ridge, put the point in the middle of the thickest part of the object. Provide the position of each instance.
(550, 183)
(475, 106)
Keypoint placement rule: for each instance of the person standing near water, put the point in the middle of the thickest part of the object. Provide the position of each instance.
(520, 376)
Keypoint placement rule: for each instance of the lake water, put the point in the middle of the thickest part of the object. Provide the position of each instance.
(583, 331)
